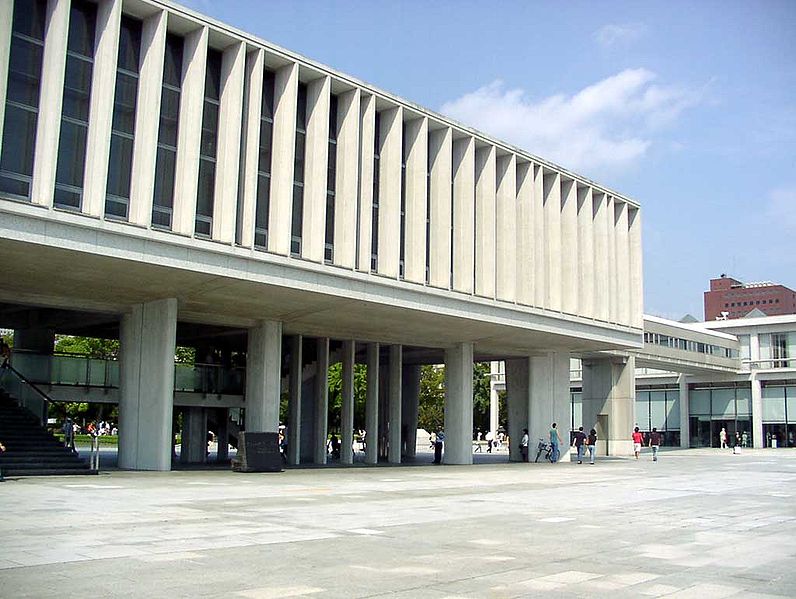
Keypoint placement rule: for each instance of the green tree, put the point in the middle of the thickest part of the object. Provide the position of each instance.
(481, 396)
(92, 347)
(335, 381)
(431, 409)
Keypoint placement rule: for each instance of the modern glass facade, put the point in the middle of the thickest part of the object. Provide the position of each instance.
(123, 125)
(209, 145)
(331, 182)
(659, 407)
(779, 414)
(163, 200)
(75, 111)
(22, 98)
(264, 162)
(297, 218)
(716, 406)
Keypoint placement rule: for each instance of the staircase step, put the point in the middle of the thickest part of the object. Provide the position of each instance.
(51, 472)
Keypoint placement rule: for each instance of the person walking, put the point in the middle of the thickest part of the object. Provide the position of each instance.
(490, 439)
(524, 445)
(723, 438)
(578, 442)
(592, 444)
(638, 439)
(555, 441)
(655, 443)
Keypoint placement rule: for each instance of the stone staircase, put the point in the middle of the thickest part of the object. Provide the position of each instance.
(30, 449)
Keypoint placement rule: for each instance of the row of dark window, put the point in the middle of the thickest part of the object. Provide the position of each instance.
(751, 303)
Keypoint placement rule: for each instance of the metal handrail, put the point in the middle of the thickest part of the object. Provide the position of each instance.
(42, 395)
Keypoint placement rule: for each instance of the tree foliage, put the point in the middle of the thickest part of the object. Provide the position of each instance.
(431, 409)
(93, 347)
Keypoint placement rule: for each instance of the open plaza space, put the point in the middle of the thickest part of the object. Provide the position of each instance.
(698, 523)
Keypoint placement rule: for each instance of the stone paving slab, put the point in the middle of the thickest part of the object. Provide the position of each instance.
(694, 524)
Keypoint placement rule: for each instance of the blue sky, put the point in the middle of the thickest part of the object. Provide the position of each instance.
(687, 107)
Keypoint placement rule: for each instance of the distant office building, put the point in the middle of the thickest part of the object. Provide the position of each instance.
(731, 298)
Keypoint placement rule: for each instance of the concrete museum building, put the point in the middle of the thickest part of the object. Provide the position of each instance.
(167, 180)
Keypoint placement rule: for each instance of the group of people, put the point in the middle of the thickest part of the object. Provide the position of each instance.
(494, 440)
(70, 428)
(653, 441)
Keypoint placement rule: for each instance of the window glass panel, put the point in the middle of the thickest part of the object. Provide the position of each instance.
(71, 154)
(121, 158)
(744, 343)
(699, 402)
(658, 410)
(672, 410)
(169, 113)
(29, 18)
(773, 404)
(77, 88)
(18, 136)
(723, 404)
(577, 409)
(129, 45)
(743, 401)
(643, 410)
(24, 72)
(207, 180)
(790, 395)
(124, 103)
(264, 162)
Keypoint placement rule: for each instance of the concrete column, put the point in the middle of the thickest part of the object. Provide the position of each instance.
(585, 252)
(367, 133)
(609, 403)
(601, 257)
(391, 123)
(525, 263)
(415, 195)
(539, 239)
(103, 88)
(294, 401)
(230, 112)
(613, 282)
(494, 398)
(485, 202)
(550, 398)
(222, 434)
(410, 397)
(189, 133)
(623, 274)
(347, 179)
(6, 21)
(459, 404)
(394, 403)
(313, 225)
(147, 340)
(250, 144)
(440, 157)
(518, 400)
(145, 144)
(283, 153)
(506, 229)
(463, 214)
(193, 447)
(570, 288)
(685, 422)
(372, 405)
(347, 412)
(552, 249)
(263, 377)
(636, 269)
(321, 399)
(758, 440)
(51, 95)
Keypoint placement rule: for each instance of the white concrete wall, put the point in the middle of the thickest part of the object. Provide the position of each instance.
(440, 149)
(416, 143)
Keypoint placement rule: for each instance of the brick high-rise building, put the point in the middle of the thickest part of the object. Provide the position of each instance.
(730, 297)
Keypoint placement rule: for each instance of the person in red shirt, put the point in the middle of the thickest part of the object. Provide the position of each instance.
(638, 439)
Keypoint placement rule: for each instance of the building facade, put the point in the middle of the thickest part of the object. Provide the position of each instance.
(167, 180)
(729, 298)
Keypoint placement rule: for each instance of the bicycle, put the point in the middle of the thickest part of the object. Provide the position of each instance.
(544, 448)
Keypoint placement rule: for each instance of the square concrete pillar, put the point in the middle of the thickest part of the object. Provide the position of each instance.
(685, 423)
(394, 403)
(459, 404)
(609, 403)
(193, 448)
(294, 401)
(372, 405)
(758, 440)
(148, 341)
(410, 397)
(347, 411)
(518, 401)
(263, 377)
(321, 400)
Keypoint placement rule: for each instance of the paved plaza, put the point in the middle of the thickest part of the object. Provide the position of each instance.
(698, 523)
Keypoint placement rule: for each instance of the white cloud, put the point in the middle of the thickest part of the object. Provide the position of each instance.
(619, 34)
(607, 124)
